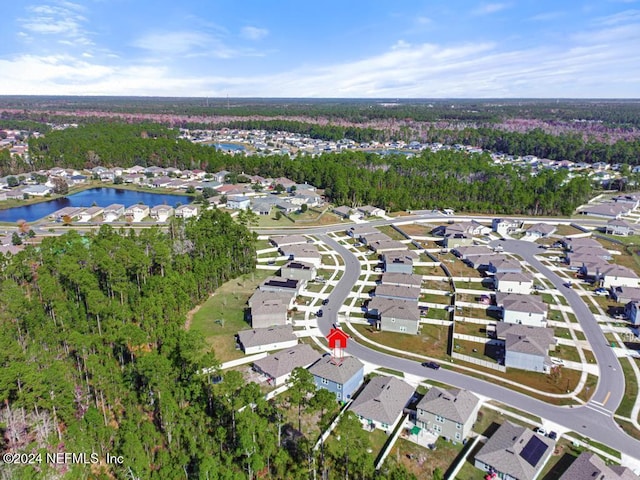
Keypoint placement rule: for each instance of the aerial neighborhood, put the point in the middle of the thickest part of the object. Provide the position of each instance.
(529, 307)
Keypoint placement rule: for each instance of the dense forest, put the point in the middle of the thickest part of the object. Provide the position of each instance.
(429, 180)
(610, 112)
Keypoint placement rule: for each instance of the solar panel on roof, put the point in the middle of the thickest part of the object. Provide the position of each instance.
(533, 451)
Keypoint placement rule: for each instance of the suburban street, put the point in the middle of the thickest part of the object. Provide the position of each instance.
(591, 420)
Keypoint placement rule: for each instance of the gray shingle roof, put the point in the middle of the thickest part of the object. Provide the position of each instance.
(382, 399)
(522, 303)
(340, 373)
(266, 336)
(503, 451)
(589, 466)
(404, 279)
(393, 291)
(283, 362)
(455, 404)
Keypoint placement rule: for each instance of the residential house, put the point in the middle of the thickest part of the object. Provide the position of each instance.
(632, 200)
(382, 246)
(220, 176)
(589, 466)
(285, 182)
(514, 453)
(539, 230)
(523, 309)
(307, 253)
(466, 252)
(402, 279)
(572, 243)
(448, 413)
(399, 261)
(618, 276)
(526, 347)
(261, 208)
(279, 284)
(277, 367)
(260, 340)
(370, 211)
(631, 312)
(112, 213)
(298, 270)
(285, 240)
(504, 266)
(510, 282)
(619, 227)
(37, 190)
(136, 213)
(90, 213)
(374, 236)
(161, 182)
(381, 403)
(606, 210)
(270, 308)
(361, 230)
(187, 211)
(238, 202)
(74, 213)
(343, 211)
(625, 294)
(341, 378)
(161, 213)
(506, 226)
(397, 292)
(401, 316)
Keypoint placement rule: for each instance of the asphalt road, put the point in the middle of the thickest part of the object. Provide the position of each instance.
(610, 388)
(590, 420)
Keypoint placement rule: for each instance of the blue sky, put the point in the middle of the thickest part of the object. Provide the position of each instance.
(330, 48)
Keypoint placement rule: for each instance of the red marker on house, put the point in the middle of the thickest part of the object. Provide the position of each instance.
(337, 343)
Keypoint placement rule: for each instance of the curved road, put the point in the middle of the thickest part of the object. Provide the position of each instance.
(588, 420)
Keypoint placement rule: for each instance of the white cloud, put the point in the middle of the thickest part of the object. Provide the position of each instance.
(588, 66)
(488, 8)
(254, 33)
(620, 17)
(62, 19)
(546, 16)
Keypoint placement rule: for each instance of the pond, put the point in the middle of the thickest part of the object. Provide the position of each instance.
(101, 197)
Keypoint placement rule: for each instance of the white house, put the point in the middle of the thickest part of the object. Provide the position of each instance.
(90, 213)
(512, 282)
(238, 202)
(187, 211)
(161, 213)
(260, 340)
(523, 309)
(618, 276)
(112, 212)
(137, 212)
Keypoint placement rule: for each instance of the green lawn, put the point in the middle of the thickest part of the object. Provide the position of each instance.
(392, 232)
(567, 353)
(431, 342)
(630, 390)
(222, 315)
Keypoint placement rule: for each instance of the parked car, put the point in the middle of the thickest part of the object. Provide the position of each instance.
(433, 365)
(540, 431)
(552, 435)
(539, 287)
(601, 291)
(325, 301)
(319, 314)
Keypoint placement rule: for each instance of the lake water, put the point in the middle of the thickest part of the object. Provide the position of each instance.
(101, 196)
(228, 147)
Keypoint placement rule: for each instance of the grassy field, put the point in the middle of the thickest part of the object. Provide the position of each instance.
(630, 388)
(222, 315)
(392, 232)
(431, 342)
(417, 229)
(422, 461)
(564, 230)
(430, 270)
(567, 353)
